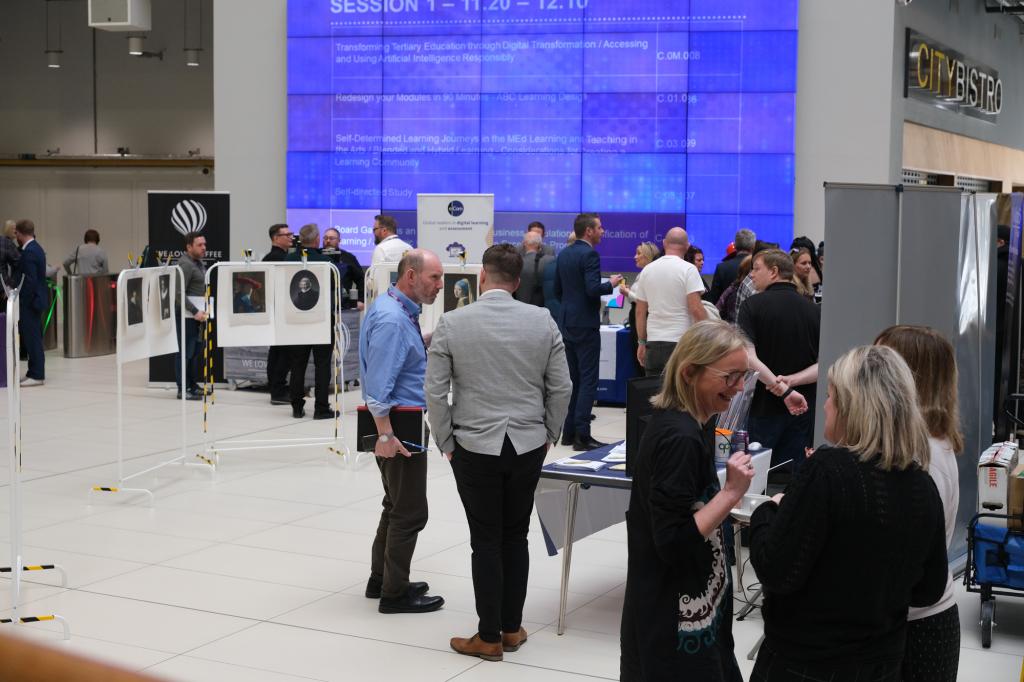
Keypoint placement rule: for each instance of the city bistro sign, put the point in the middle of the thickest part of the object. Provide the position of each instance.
(947, 79)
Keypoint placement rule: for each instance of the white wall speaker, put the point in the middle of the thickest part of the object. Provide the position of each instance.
(120, 15)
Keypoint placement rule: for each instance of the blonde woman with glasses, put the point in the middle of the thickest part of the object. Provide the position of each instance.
(933, 632)
(677, 613)
(858, 537)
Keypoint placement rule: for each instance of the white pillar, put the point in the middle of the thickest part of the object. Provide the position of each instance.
(849, 114)
(250, 115)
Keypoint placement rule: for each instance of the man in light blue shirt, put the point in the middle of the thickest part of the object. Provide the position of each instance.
(393, 362)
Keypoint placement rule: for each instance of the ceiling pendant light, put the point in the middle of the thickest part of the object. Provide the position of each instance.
(192, 53)
(52, 54)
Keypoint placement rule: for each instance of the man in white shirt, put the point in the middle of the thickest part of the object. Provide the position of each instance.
(390, 248)
(668, 293)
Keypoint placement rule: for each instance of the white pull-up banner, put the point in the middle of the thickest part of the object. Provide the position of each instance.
(457, 227)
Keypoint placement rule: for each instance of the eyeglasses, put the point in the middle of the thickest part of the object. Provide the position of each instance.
(732, 378)
(283, 234)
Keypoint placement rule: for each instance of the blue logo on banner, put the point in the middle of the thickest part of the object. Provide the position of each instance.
(455, 208)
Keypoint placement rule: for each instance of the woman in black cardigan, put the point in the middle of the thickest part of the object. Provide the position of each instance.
(677, 613)
(858, 537)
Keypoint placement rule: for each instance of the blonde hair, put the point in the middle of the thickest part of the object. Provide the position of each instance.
(803, 286)
(649, 250)
(703, 344)
(876, 408)
(932, 361)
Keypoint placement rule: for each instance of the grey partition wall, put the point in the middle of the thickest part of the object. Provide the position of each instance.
(924, 256)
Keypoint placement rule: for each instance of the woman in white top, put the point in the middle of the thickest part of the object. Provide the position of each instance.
(933, 632)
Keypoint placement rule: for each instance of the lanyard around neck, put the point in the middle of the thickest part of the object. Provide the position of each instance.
(412, 318)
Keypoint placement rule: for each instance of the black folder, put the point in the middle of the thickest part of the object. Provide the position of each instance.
(407, 422)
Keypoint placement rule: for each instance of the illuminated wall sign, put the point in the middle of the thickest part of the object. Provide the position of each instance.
(949, 80)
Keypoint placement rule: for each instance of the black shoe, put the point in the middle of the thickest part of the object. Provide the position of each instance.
(298, 412)
(373, 589)
(410, 604)
(588, 443)
(568, 440)
(329, 414)
(280, 401)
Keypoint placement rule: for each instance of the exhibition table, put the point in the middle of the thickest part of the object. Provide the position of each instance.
(605, 507)
(558, 505)
(616, 364)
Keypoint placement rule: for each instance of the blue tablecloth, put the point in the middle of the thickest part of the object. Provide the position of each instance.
(604, 505)
(616, 365)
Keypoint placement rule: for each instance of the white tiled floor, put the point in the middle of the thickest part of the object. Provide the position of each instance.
(257, 574)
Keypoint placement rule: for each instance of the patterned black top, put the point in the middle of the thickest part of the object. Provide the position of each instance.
(677, 613)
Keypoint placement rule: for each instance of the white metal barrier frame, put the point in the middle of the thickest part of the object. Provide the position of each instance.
(173, 270)
(331, 443)
(17, 566)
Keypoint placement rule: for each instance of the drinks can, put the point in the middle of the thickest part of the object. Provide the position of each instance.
(739, 442)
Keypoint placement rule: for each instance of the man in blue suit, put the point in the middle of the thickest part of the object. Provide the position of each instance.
(578, 286)
(33, 300)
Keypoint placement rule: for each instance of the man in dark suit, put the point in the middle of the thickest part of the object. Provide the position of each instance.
(578, 286)
(727, 271)
(278, 357)
(33, 300)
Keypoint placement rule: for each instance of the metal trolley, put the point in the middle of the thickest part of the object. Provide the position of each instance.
(995, 566)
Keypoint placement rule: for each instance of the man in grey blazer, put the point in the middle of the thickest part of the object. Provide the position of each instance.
(505, 365)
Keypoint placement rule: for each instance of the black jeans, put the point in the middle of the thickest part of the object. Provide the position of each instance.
(785, 434)
(403, 517)
(497, 493)
(279, 362)
(321, 375)
(658, 353)
(192, 355)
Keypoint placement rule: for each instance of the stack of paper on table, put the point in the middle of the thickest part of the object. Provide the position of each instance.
(570, 463)
(617, 454)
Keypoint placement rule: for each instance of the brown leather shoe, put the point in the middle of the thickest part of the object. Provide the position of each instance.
(511, 641)
(474, 646)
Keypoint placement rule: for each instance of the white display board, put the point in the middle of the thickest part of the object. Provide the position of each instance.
(279, 304)
(146, 313)
(450, 224)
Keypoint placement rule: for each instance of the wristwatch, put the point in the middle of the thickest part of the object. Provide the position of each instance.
(385, 437)
(641, 342)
